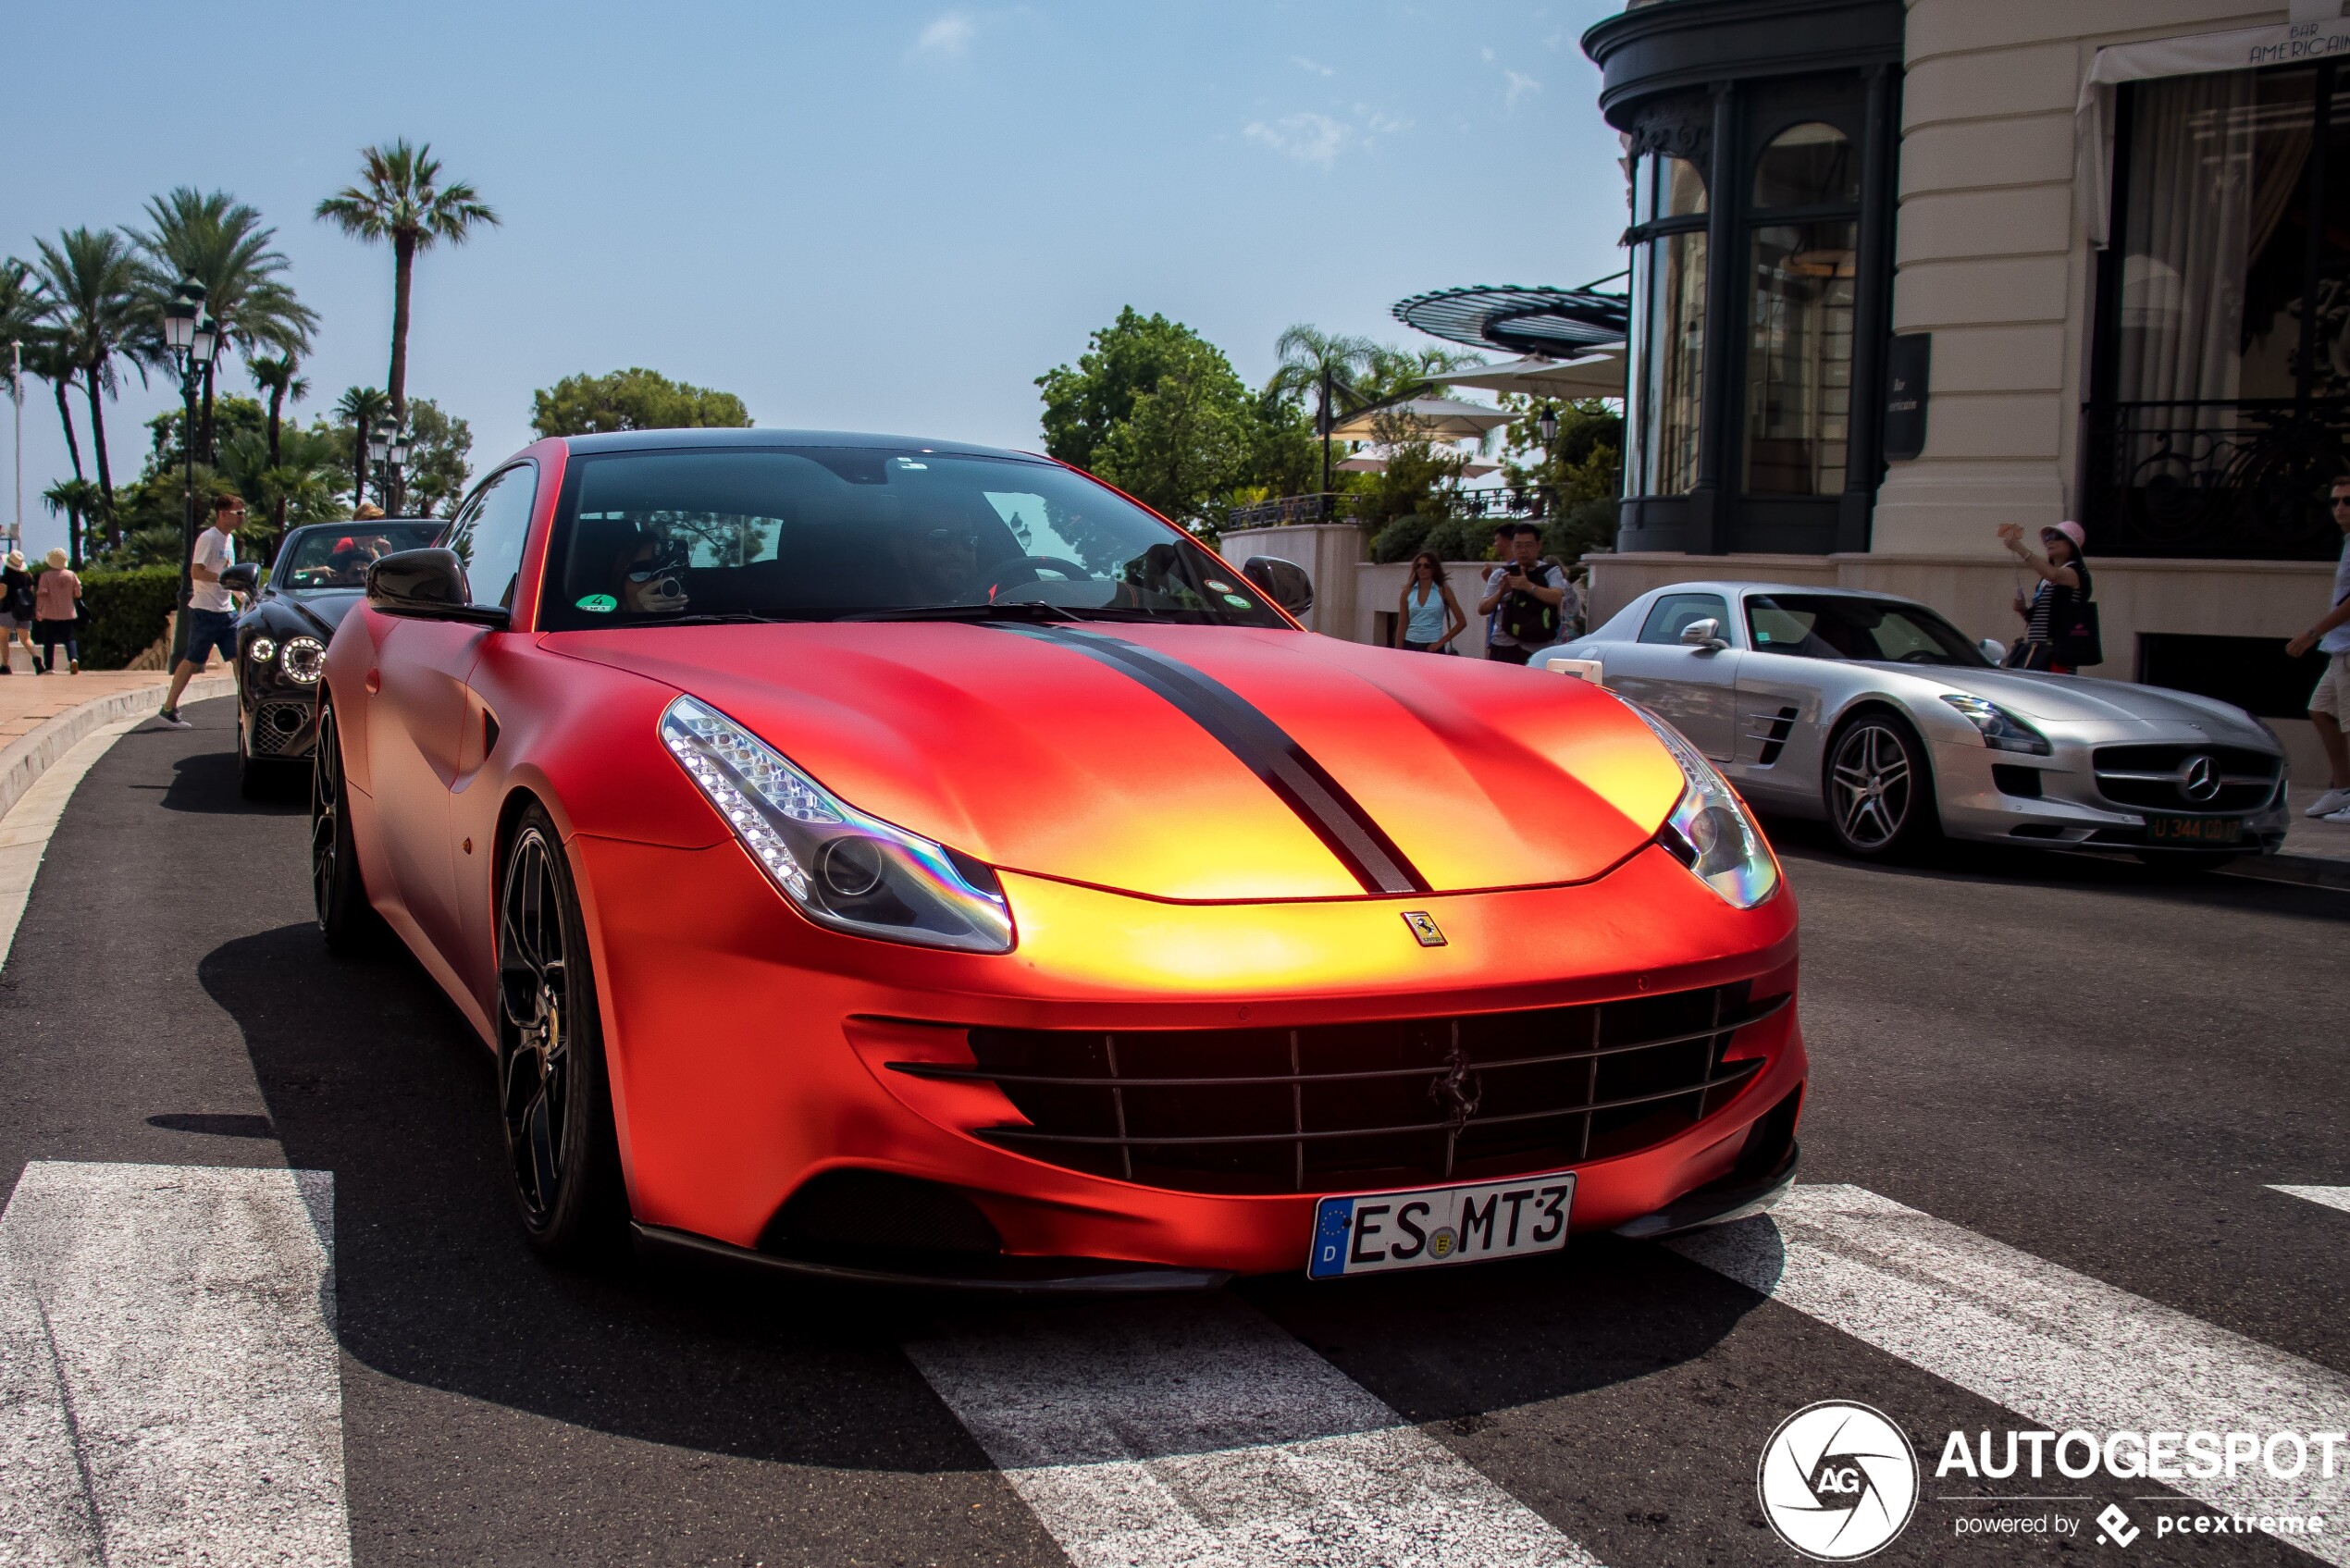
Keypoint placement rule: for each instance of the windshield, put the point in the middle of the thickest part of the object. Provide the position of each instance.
(831, 533)
(337, 557)
(1838, 626)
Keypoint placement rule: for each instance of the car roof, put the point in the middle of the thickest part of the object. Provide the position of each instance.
(704, 436)
(1818, 590)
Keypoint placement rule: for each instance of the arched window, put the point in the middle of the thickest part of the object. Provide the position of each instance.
(1809, 164)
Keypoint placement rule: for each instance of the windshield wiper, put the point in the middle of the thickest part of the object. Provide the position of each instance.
(1014, 610)
(722, 618)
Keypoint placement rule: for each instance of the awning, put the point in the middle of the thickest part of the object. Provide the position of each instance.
(1593, 376)
(1439, 418)
(1373, 459)
(2316, 31)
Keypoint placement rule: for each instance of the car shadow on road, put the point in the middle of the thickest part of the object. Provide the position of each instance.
(206, 783)
(368, 1073)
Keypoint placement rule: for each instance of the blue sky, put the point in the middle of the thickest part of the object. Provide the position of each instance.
(875, 216)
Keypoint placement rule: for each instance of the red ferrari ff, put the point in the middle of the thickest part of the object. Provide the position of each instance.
(907, 860)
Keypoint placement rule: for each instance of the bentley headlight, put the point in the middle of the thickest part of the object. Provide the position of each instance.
(839, 866)
(303, 660)
(261, 650)
(1709, 830)
(2002, 731)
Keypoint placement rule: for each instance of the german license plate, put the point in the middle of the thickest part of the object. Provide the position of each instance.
(2195, 830)
(1374, 1232)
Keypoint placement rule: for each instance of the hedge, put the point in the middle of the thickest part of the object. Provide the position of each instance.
(128, 612)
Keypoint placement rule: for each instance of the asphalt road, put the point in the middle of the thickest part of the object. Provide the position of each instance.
(2093, 1076)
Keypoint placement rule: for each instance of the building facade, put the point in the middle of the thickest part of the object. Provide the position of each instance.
(1906, 272)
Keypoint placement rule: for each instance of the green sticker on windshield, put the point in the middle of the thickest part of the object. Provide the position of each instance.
(1236, 600)
(602, 604)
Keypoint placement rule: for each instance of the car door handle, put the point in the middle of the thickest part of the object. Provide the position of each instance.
(375, 682)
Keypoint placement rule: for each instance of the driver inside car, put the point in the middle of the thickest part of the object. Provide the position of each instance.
(652, 576)
(935, 564)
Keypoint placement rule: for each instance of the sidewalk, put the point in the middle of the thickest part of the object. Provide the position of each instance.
(2314, 852)
(42, 717)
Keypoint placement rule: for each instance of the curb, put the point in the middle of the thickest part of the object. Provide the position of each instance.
(24, 760)
(2305, 870)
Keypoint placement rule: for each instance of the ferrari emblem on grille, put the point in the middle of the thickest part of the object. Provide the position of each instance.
(1424, 927)
(1458, 1089)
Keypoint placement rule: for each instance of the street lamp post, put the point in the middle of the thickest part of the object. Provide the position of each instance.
(194, 338)
(387, 451)
(1547, 422)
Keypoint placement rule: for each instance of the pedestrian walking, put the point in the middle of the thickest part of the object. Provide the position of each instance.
(1427, 615)
(2329, 703)
(16, 600)
(212, 612)
(57, 612)
(2059, 625)
(1521, 595)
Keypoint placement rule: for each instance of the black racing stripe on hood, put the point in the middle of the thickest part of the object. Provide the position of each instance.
(1267, 750)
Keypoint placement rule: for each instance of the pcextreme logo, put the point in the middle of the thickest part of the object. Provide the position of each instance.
(1838, 1481)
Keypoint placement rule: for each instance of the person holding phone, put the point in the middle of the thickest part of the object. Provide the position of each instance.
(2064, 582)
(1523, 595)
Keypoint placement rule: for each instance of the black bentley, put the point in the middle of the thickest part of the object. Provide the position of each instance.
(320, 572)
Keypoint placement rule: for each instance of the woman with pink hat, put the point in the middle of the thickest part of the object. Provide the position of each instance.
(2052, 617)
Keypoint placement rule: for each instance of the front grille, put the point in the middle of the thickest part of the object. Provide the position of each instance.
(1367, 1104)
(277, 727)
(2158, 778)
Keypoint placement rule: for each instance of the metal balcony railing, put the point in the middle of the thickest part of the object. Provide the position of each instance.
(1528, 500)
(2227, 480)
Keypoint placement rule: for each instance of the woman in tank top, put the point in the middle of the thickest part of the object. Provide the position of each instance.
(1427, 615)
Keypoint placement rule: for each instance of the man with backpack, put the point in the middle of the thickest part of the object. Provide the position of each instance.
(1523, 596)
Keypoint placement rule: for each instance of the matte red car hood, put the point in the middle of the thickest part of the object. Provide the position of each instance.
(1025, 751)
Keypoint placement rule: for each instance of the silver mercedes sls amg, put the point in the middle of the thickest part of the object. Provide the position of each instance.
(1876, 715)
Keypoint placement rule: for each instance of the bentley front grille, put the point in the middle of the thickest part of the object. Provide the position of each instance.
(1390, 1103)
(280, 728)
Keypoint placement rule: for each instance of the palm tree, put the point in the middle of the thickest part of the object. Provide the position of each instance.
(1321, 364)
(275, 376)
(78, 498)
(221, 244)
(400, 199)
(94, 277)
(47, 357)
(24, 307)
(361, 406)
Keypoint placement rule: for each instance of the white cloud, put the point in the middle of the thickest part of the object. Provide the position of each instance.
(1303, 138)
(1488, 54)
(950, 34)
(1314, 68)
(1520, 85)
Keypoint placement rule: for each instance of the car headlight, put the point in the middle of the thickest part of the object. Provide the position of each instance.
(303, 660)
(261, 650)
(1709, 830)
(2002, 731)
(839, 866)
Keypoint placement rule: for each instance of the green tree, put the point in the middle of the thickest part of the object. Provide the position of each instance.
(49, 357)
(631, 400)
(1185, 442)
(1122, 361)
(360, 407)
(76, 499)
(24, 309)
(1314, 363)
(1582, 471)
(221, 244)
(440, 461)
(94, 277)
(280, 375)
(400, 198)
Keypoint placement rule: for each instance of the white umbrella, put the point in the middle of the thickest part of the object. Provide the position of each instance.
(1439, 417)
(1593, 376)
(1372, 459)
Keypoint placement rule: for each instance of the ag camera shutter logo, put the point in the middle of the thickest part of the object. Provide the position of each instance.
(1838, 1481)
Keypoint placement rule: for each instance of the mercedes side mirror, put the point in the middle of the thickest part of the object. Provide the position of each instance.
(1283, 582)
(428, 584)
(242, 578)
(1994, 649)
(1705, 634)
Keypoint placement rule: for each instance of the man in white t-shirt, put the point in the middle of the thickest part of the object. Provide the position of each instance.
(2330, 703)
(212, 612)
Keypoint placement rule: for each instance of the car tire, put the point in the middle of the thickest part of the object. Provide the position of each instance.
(1878, 788)
(338, 892)
(554, 1100)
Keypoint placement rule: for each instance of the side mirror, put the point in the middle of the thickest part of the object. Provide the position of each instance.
(1705, 634)
(242, 578)
(429, 585)
(1283, 582)
(1994, 649)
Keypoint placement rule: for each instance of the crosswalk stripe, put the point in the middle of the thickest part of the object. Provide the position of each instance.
(2332, 1197)
(1146, 1434)
(2058, 1348)
(170, 1385)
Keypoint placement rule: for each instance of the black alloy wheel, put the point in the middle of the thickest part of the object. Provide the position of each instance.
(554, 1101)
(1879, 788)
(345, 919)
